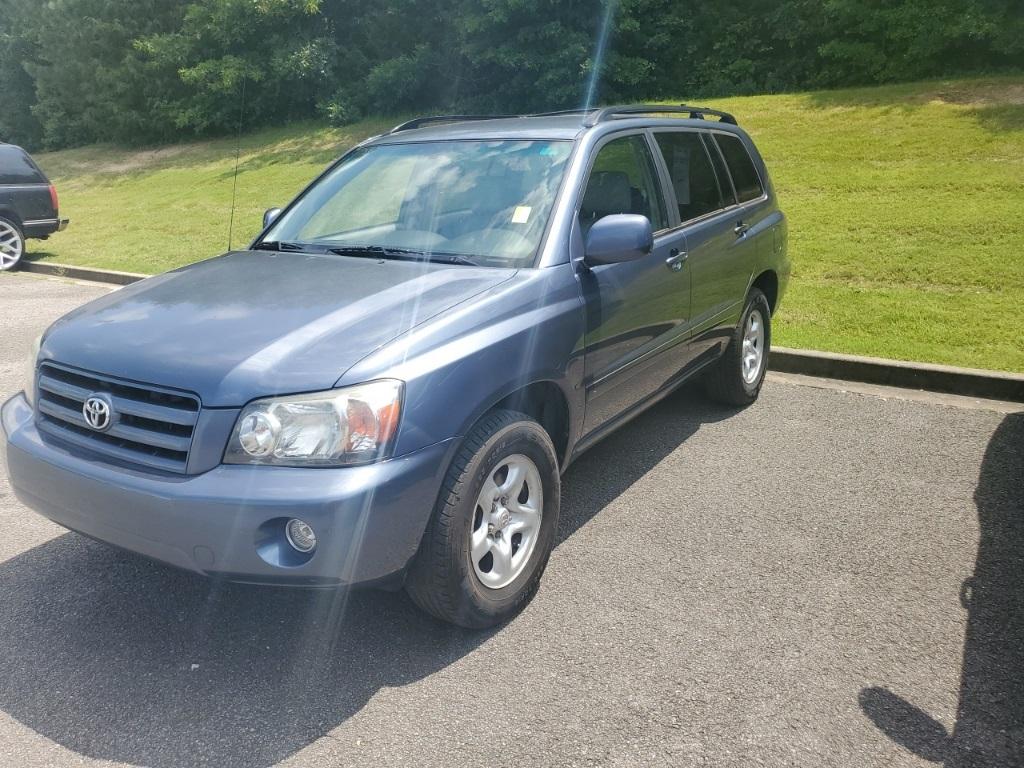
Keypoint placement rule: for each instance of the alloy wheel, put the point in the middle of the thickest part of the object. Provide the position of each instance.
(506, 521)
(753, 347)
(12, 246)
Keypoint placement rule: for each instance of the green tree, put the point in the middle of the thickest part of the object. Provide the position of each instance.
(390, 57)
(280, 49)
(78, 71)
(90, 82)
(17, 87)
(888, 40)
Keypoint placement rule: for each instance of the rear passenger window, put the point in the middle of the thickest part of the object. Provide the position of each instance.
(16, 168)
(623, 180)
(693, 177)
(720, 170)
(744, 175)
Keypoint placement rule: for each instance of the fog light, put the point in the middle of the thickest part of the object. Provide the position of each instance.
(300, 535)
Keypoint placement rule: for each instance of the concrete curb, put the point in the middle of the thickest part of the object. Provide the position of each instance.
(80, 273)
(993, 385)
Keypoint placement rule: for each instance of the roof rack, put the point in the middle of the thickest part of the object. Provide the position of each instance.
(695, 113)
(560, 112)
(419, 122)
(591, 116)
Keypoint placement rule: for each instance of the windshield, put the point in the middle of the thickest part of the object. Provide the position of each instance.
(487, 201)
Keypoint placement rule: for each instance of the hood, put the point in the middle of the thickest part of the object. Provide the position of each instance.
(256, 323)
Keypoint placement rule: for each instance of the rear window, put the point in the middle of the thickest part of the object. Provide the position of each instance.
(17, 168)
(744, 175)
(693, 178)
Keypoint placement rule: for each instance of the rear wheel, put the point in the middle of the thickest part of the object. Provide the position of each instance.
(494, 526)
(12, 244)
(737, 377)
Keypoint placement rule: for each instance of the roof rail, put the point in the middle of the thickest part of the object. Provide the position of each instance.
(419, 122)
(695, 113)
(560, 112)
(591, 118)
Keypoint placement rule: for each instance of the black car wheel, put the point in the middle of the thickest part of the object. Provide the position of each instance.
(494, 525)
(737, 377)
(12, 244)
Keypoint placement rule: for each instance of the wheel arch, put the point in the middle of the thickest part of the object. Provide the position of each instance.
(768, 283)
(11, 214)
(546, 403)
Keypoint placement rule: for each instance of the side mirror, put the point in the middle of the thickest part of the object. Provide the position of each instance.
(269, 215)
(619, 237)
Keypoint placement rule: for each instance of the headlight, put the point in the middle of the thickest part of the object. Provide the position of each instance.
(352, 425)
(30, 371)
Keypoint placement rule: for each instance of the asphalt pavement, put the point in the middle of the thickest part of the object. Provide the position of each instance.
(826, 578)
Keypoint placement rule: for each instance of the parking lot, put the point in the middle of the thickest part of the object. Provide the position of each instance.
(827, 578)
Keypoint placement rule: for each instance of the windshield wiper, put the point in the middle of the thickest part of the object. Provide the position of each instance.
(383, 252)
(375, 251)
(279, 245)
(453, 258)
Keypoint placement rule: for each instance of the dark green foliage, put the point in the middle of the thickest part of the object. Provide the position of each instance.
(87, 81)
(281, 50)
(79, 71)
(17, 89)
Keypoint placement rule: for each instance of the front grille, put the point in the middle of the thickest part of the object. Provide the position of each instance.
(150, 426)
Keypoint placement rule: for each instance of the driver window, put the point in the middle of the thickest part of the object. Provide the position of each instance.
(623, 180)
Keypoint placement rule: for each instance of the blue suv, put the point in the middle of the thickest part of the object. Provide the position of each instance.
(386, 386)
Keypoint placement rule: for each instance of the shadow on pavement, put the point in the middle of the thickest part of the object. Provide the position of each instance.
(97, 647)
(989, 730)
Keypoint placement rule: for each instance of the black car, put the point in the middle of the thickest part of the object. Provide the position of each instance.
(28, 204)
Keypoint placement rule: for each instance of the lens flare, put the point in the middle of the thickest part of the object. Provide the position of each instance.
(601, 46)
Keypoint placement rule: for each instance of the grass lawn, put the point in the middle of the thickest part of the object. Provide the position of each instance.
(906, 210)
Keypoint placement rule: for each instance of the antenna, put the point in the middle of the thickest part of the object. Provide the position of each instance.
(238, 150)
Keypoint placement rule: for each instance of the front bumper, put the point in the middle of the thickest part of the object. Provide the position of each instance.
(229, 521)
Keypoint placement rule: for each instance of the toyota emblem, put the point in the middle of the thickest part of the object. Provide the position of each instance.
(97, 412)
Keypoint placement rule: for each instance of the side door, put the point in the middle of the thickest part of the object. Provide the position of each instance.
(637, 311)
(703, 202)
(723, 250)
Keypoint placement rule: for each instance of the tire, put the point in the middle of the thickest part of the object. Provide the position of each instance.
(447, 577)
(730, 381)
(12, 244)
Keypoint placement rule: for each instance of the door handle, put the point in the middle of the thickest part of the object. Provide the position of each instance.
(675, 259)
(741, 229)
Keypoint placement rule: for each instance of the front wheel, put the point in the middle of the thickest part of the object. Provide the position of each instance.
(494, 526)
(12, 244)
(737, 377)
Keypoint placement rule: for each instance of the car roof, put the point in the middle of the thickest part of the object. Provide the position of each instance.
(532, 127)
(546, 127)
(12, 148)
